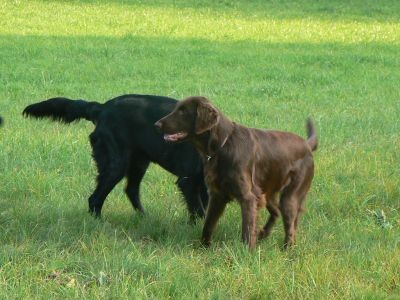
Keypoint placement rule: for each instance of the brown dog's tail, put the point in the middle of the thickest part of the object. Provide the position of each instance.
(312, 139)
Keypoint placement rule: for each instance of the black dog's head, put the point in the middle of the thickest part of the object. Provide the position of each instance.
(191, 117)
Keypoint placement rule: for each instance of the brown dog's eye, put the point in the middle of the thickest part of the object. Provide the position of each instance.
(181, 111)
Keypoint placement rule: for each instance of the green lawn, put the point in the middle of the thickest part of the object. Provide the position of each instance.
(267, 64)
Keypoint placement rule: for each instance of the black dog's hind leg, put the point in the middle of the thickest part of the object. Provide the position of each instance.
(111, 166)
(135, 174)
(190, 190)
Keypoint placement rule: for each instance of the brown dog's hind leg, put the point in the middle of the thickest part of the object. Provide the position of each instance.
(292, 202)
(289, 206)
(215, 209)
(289, 210)
(302, 192)
(273, 208)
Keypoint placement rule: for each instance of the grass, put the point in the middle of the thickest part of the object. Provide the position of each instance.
(267, 64)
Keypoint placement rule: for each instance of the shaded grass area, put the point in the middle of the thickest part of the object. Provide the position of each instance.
(51, 246)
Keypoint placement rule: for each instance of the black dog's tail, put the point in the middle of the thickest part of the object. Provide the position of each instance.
(312, 135)
(64, 110)
(1, 121)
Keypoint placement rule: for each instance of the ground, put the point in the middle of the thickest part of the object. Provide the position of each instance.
(265, 64)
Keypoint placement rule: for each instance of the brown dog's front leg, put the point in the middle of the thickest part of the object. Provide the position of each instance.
(249, 217)
(215, 209)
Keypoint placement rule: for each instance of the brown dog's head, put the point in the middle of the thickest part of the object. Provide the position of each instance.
(191, 117)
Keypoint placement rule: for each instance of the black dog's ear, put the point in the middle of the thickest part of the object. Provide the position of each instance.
(207, 117)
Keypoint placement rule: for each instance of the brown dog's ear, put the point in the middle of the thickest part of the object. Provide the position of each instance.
(207, 117)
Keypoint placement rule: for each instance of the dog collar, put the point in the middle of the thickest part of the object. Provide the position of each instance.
(209, 157)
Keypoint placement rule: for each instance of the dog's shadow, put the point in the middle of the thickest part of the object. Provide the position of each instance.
(152, 227)
(74, 227)
(65, 228)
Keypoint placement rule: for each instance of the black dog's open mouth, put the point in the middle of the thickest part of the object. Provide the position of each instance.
(176, 137)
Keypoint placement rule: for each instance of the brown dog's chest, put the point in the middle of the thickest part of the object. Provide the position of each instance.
(222, 178)
(212, 176)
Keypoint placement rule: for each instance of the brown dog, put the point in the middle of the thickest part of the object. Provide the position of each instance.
(256, 167)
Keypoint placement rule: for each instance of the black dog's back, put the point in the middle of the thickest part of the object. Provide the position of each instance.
(132, 118)
(125, 141)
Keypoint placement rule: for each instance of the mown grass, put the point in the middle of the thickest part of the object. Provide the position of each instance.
(267, 65)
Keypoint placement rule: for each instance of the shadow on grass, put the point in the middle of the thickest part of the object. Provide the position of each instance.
(65, 227)
(256, 81)
(260, 84)
(43, 222)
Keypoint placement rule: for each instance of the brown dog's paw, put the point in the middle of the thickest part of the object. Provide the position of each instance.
(205, 243)
(288, 245)
(261, 235)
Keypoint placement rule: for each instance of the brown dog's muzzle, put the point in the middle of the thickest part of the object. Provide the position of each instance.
(169, 135)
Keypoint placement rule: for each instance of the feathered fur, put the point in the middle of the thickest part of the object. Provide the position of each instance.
(125, 141)
(64, 110)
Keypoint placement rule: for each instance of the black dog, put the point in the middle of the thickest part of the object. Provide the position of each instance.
(125, 141)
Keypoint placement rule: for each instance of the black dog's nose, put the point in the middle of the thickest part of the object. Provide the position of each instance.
(158, 125)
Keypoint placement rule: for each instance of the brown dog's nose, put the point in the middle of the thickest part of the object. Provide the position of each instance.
(158, 125)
